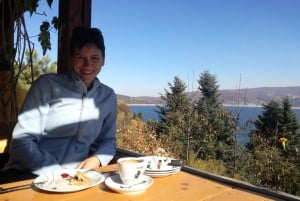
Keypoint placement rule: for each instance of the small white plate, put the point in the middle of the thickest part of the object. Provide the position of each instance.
(114, 183)
(57, 181)
(174, 169)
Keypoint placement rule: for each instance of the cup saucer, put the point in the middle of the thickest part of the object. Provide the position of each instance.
(114, 183)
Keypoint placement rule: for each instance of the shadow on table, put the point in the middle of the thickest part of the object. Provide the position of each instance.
(12, 175)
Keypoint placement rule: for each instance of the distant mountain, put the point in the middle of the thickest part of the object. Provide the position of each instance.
(251, 96)
(262, 95)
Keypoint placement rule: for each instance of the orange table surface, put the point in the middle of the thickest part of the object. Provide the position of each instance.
(180, 186)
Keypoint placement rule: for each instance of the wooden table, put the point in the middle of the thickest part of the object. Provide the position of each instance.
(181, 186)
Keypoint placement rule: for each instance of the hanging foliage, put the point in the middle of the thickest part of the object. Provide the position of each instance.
(15, 42)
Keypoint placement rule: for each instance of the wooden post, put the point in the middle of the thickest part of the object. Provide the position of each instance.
(72, 13)
(8, 111)
(7, 18)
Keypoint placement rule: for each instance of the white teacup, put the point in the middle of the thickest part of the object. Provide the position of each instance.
(131, 169)
(160, 163)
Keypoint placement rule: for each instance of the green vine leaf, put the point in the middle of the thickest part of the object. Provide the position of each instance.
(55, 22)
(49, 2)
(45, 26)
(44, 37)
(30, 5)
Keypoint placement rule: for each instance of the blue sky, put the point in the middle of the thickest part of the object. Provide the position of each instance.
(246, 43)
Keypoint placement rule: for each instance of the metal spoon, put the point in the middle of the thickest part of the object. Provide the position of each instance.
(130, 186)
(15, 188)
(20, 187)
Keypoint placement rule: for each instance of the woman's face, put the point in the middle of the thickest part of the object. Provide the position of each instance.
(87, 63)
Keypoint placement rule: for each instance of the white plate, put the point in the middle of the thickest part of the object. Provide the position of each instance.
(161, 174)
(114, 183)
(56, 182)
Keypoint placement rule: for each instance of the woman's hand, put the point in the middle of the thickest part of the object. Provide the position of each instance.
(89, 163)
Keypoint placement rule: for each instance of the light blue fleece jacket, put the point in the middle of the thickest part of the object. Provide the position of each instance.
(61, 122)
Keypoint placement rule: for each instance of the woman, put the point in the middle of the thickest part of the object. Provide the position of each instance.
(69, 120)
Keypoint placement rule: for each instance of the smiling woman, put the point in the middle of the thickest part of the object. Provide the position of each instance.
(67, 120)
(88, 52)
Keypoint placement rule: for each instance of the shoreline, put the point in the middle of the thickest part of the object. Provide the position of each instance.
(143, 104)
(226, 105)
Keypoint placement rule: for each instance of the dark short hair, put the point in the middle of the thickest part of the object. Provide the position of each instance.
(82, 36)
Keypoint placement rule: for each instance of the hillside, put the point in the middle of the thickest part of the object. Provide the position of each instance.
(259, 96)
(251, 96)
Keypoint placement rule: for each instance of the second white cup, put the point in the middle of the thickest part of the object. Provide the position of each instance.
(131, 169)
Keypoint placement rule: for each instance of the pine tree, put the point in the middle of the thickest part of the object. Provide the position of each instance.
(208, 86)
(274, 144)
(267, 124)
(29, 73)
(277, 121)
(215, 137)
(288, 125)
(174, 116)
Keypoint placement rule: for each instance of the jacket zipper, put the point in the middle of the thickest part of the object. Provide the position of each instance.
(83, 100)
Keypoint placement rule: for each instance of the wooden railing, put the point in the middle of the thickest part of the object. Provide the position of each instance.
(223, 180)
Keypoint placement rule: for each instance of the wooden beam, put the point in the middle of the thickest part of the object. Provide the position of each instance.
(7, 18)
(72, 13)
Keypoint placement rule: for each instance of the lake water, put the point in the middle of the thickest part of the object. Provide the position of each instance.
(246, 114)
